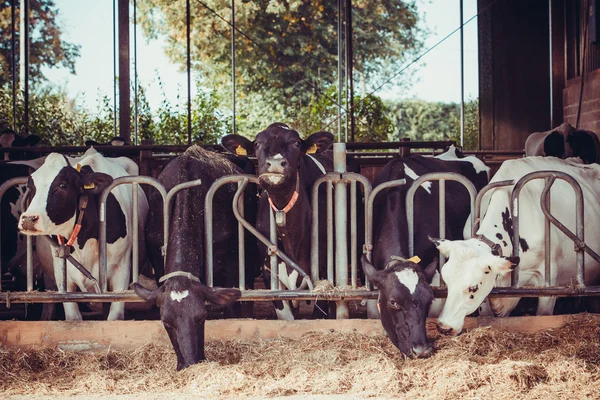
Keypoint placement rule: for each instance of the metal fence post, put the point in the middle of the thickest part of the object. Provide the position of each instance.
(341, 226)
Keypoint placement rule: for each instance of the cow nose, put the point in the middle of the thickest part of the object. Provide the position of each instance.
(445, 329)
(28, 221)
(276, 164)
(422, 351)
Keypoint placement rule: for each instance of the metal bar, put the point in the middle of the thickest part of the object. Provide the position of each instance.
(339, 70)
(314, 241)
(13, 62)
(477, 212)
(341, 226)
(270, 295)
(547, 232)
(136, 234)
(233, 87)
(135, 76)
(273, 256)
(353, 236)
(462, 78)
(442, 219)
(241, 242)
(123, 180)
(350, 67)
(24, 61)
(124, 74)
(115, 79)
(29, 263)
(330, 267)
(208, 219)
(188, 71)
(550, 63)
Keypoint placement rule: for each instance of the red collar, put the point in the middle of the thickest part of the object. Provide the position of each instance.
(292, 201)
(83, 201)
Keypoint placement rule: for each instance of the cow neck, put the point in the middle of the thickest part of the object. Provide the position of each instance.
(290, 199)
(82, 206)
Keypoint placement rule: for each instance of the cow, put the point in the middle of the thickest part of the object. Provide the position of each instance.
(182, 295)
(479, 263)
(64, 203)
(288, 166)
(410, 280)
(10, 138)
(564, 142)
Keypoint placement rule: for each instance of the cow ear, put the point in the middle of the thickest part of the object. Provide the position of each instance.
(443, 245)
(370, 272)
(317, 142)
(430, 270)
(238, 145)
(30, 141)
(149, 295)
(221, 297)
(554, 145)
(93, 182)
(503, 265)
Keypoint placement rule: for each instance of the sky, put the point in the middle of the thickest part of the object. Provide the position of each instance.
(89, 24)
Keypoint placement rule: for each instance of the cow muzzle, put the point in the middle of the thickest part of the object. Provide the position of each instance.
(445, 329)
(422, 351)
(28, 223)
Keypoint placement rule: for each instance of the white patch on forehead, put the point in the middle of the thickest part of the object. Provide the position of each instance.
(277, 156)
(178, 296)
(408, 278)
(413, 175)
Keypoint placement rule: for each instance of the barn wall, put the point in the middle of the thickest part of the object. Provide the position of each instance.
(590, 107)
(514, 72)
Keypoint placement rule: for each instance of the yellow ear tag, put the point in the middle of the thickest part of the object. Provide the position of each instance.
(90, 186)
(240, 151)
(312, 149)
(78, 167)
(415, 259)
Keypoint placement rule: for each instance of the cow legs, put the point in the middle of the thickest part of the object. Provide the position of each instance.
(546, 304)
(285, 313)
(118, 283)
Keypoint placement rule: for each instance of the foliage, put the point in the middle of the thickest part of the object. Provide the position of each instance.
(288, 50)
(372, 123)
(48, 48)
(58, 121)
(428, 121)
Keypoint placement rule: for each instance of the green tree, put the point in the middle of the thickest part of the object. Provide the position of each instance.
(48, 48)
(290, 50)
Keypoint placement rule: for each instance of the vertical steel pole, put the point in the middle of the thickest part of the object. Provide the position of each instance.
(135, 75)
(462, 81)
(341, 227)
(329, 198)
(340, 80)
(349, 70)
(29, 263)
(233, 65)
(13, 61)
(442, 223)
(241, 241)
(550, 64)
(353, 235)
(136, 234)
(24, 62)
(115, 78)
(189, 71)
(547, 236)
(124, 73)
(274, 271)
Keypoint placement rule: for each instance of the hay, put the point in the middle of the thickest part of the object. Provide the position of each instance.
(483, 363)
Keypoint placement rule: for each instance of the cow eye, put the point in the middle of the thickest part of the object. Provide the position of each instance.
(257, 145)
(62, 186)
(297, 143)
(394, 304)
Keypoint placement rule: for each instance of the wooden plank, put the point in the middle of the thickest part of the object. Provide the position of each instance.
(102, 335)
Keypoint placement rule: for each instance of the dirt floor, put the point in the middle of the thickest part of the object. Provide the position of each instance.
(482, 363)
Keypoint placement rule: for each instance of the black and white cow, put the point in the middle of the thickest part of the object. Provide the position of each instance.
(563, 142)
(288, 166)
(182, 296)
(56, 189)
(10, 138)
(411, 281)
(474, 268)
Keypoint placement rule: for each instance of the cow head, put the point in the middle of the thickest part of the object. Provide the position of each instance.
(183, 313)
(115, 141)
(470, 275)
(9, 138)
(278, 150)
(54, 190)
(404, 301)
